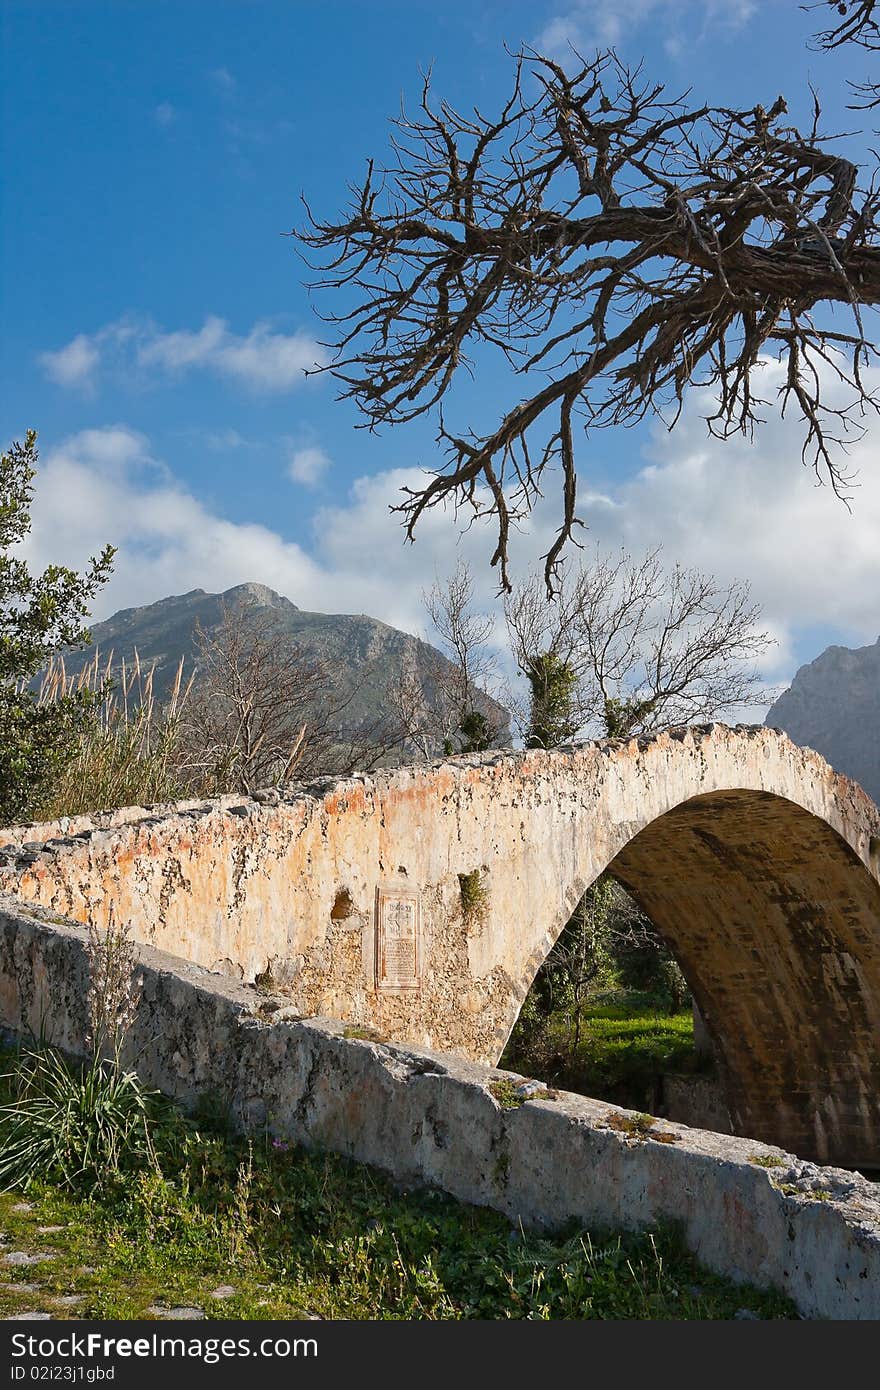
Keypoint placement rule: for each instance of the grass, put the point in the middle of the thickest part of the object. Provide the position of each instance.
(76, 1123)
(627, 1041)
(301, 1234)
(129, 754)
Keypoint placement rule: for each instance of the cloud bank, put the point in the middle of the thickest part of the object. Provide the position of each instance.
(737, 510)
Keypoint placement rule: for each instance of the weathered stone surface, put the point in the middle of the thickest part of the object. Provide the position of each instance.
(694, 1100)
(756, 861)
(424, 1117)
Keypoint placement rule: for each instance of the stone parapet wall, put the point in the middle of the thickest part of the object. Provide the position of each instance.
(429, 1118)
(421, 901)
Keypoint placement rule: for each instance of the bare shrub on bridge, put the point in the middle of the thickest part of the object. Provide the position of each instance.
(262, 712)
(463, 714)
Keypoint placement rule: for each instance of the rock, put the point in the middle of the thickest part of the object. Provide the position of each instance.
(833, 705)
(530, 1088)
(182, 1313)
(746, 1315)
(28, 1317)
(22, 1257)
(21, 1207)
(50, 1230)
(224, 1291)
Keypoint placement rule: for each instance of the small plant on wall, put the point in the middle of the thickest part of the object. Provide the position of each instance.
(475, 898)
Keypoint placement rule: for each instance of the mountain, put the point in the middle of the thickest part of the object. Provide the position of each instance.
(833, 705)
(368, 658)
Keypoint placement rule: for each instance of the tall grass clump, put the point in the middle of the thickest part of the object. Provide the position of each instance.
(129, 751)
(83, 1124)
(77, 1126)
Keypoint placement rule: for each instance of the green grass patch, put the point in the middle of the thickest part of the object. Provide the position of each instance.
(626, 1042)
(299, 1234)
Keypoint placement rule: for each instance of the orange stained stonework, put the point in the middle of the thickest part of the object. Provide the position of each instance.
(757, 863)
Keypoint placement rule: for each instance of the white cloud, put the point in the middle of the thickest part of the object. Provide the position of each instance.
(224, 80)
(589, 24)
(105, 485)
(227, 439)
(263, 360)
(73, 365)
(738, 510)
(752, 510)
(164, 114)
(184, 349)
(266, 360)
(307, 465)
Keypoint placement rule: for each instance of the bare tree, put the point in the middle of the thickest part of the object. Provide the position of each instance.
(855, 23)
(449, 706)
(645, 646)
(262, 712)
(617, 245)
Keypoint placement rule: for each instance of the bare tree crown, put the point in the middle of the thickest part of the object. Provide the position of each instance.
(617, 245)
(646, 646)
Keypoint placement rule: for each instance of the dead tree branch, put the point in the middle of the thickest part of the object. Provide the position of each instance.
(618, 246)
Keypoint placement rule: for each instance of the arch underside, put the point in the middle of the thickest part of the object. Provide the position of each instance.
(776, 924)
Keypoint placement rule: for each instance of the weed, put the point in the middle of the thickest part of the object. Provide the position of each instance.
(641, 1126)
(810, 1194)
(364, 1032)
(636, 1125)
(507, 1093)
(768, 1160)
(114, 990)
(265, 981)
(501, 1169)
(474, 895)
(78, 1125)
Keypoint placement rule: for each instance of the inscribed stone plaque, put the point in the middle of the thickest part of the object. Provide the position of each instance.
(397, 939)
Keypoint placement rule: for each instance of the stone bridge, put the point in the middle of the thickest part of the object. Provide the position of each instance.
(421, 901)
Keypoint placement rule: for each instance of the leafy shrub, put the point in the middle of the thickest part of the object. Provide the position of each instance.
(39, 615)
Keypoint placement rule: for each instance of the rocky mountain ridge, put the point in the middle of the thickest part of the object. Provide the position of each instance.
(833, 705)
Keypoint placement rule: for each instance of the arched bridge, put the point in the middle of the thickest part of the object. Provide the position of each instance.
(422, 900)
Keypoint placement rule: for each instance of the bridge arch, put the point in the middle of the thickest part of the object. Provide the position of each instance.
(774, 920)
(419, 902)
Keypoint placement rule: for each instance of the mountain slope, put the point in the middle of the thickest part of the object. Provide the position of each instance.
(367, 657)
(833, 705)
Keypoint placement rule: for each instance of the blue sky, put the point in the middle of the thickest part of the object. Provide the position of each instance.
(157, 319)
